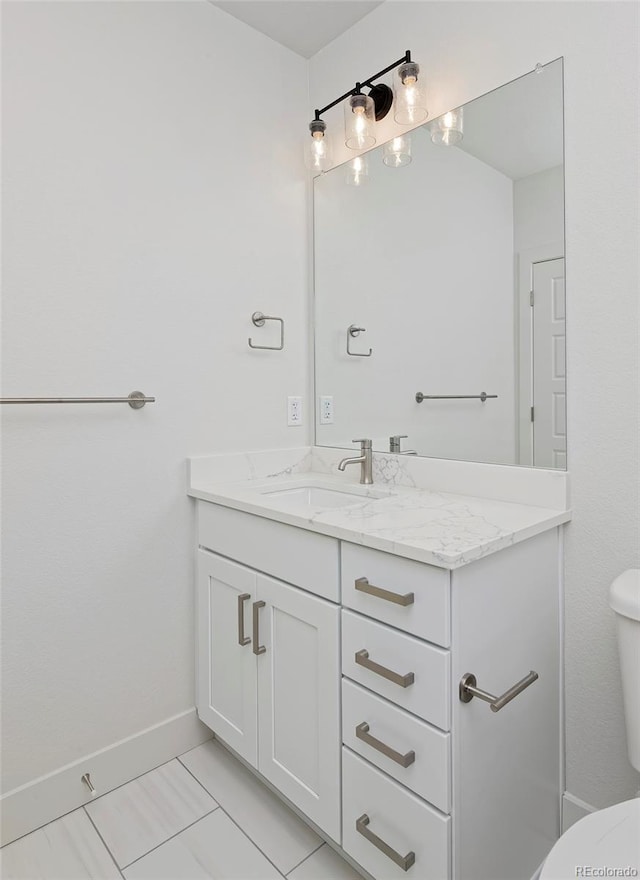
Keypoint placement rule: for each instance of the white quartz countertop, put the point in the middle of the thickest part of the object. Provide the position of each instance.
(439, 528)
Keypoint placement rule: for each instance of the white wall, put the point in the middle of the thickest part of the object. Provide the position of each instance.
(538, 209)
(468, 48)
(152, 202)
(422, 256)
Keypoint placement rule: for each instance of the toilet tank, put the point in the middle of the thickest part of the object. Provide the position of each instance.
(624, 598)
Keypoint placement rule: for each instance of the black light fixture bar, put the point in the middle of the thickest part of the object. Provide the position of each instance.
(365, 83)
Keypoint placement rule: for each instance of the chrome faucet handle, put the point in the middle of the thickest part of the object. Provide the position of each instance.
(395, 442)
(364, 443)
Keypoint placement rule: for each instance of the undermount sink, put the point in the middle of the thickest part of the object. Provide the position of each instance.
(318, 497)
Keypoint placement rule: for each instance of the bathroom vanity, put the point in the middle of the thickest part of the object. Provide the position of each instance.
(338, 627)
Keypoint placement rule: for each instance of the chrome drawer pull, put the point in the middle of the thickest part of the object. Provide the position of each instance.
(362, 659)
(468, 690)
(404, 862)
(257, 647)
(242, 639)
(364, 586)
(362, 732)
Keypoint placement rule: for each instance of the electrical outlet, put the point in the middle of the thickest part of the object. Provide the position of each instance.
(294, 411)
(326, 409)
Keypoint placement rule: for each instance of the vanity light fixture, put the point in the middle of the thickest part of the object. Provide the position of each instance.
(448, 129)
(410, 98)
(358, 171)
(397, 151)
(361, 110)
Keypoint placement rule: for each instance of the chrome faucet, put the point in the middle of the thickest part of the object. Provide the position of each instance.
(395, 445)
(365, 460)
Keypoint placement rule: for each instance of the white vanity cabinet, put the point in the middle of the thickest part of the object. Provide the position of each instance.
(335, 670)
(434, 787)
(269, 676)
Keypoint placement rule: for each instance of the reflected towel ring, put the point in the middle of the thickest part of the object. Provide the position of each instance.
(353, 331)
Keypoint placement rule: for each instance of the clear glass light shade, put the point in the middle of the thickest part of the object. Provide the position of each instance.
(357, 171)
(410, 104)
(317, 153)
(397, 151)
(359, 116)
(448, 129)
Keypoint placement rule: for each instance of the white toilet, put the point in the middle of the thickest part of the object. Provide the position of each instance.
(610, 838)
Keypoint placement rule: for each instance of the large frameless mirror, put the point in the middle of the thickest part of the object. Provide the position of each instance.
(439, 285)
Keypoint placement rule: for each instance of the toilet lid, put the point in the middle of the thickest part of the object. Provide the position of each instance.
(609, 838)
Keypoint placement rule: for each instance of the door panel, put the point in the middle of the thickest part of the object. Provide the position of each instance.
(227, 672)
(299, 699)
(549, 374)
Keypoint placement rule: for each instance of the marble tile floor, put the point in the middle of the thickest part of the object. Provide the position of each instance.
(202, 816)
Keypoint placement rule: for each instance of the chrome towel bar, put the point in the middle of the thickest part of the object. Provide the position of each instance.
(136, 399)
(482, 396)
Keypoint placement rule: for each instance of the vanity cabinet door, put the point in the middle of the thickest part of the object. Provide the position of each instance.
(227, 673)
(299, 700)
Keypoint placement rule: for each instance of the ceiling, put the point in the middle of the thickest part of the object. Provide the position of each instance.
(305, 26)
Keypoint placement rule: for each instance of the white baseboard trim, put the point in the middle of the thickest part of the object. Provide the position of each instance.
(32, 805)
(574, 809)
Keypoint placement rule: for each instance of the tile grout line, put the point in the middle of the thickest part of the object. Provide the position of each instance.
(250, 839)
(93, 800)
(305, 858)
(113, 858)
(173, 836)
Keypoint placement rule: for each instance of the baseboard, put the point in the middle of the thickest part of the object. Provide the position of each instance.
(32, 805)
(574, 809)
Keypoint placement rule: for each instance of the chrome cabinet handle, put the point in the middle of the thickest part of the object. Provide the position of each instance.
(362, 659)
(468, 690)
(242, 639)
(257, 647)
(364, 586)
(362, 732)
(404, 862)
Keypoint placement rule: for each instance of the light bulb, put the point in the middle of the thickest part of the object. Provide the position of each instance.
(317, 151)
(359, 114)
(448, 129)
(397, 152)
(410, 99)
(357, 171)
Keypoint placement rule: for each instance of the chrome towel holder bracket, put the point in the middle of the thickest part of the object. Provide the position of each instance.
(258, 319)
(468, 689)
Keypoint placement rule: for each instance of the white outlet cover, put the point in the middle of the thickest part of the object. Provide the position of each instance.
(326, 409)
(294, 411)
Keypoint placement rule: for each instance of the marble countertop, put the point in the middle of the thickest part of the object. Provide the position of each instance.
(439, 528)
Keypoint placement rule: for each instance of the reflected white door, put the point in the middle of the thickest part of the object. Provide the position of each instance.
(549, 373)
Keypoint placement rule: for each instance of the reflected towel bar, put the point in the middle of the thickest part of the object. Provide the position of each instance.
(136, 399)
(482, 396)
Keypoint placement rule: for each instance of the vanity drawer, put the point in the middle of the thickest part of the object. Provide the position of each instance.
(410, 595)
(293, 555)
(398, 819)
(420, 753)
(411, 673)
